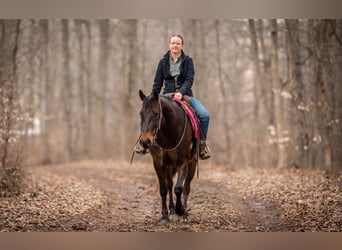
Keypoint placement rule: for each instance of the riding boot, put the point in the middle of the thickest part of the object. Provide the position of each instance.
(204, 150)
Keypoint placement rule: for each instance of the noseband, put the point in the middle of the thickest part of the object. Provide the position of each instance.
(155, 136)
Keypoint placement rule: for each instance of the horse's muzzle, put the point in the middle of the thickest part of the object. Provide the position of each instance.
(146, 140)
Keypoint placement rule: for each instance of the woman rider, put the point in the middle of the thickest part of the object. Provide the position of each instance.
(176, 70)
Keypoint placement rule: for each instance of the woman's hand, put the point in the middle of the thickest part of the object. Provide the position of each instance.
(178, 96)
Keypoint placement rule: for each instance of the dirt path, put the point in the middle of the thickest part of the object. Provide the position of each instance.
(133, 202)
(115, 196)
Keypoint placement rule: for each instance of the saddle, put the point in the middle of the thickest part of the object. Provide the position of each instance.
(185, 104)
(198, 134)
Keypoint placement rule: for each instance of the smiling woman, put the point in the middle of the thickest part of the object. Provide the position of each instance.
(176, 71)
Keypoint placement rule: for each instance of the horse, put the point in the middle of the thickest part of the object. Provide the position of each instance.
(167, 133)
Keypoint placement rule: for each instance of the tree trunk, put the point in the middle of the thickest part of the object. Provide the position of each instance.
(127, 93)
(89, 135)
(10, 172)
(298, 121)
(103, 81)
(259, 92)
(326, 90)
(224, 96)
(278, 110)
(265, 73)
(67, 95)
(336, 66)
(46, 89)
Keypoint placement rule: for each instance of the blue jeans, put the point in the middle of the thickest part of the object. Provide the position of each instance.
(203, 115)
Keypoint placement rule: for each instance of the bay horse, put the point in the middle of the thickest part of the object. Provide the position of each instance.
(167, 132)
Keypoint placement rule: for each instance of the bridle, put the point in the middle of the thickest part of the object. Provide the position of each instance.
(160, 118)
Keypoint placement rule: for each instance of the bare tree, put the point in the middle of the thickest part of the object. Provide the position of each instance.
(336, 65)
(223, 92)
(47, 92)
(324, 107)
(102, 79)
(67, 95)
(278, 107)
(10, 169)
(298, 134)
(88, 89)
(259, 90)
(129, 78)
(265, 71)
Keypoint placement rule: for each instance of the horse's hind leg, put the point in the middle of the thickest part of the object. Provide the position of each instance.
(187, 182)
(179, 189)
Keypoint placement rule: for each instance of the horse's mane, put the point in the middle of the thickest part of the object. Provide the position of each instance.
(150, 99)
(167, 97)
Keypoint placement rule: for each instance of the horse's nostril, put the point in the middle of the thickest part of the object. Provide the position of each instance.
(146, 143)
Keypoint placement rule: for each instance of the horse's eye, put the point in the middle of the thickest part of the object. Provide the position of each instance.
(155, 113)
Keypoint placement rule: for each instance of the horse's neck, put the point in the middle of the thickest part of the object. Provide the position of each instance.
(172, 125)
(169, 110)
(171, 113)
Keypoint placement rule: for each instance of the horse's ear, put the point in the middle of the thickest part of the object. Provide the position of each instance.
(142, 95)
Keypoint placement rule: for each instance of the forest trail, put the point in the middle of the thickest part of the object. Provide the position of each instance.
(115, 196)
(134, 203)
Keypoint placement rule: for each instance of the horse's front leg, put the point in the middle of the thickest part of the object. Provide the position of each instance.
(179, 188)
(161, 173)
(169, 187)
(163, 194)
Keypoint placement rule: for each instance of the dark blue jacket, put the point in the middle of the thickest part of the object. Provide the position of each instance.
(184, 80)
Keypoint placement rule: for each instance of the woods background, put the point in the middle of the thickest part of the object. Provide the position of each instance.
(69, 88)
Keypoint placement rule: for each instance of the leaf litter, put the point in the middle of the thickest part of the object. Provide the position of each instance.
(109, 196)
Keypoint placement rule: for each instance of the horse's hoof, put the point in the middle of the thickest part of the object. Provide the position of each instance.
(173, 217)
(164, 220)
(172, 211)
(180, 211)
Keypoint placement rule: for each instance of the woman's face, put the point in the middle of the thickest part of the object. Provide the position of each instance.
(175, 45)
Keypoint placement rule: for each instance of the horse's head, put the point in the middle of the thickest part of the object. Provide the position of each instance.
(150, 115)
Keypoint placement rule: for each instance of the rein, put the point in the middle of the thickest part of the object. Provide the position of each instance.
(159, 126)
